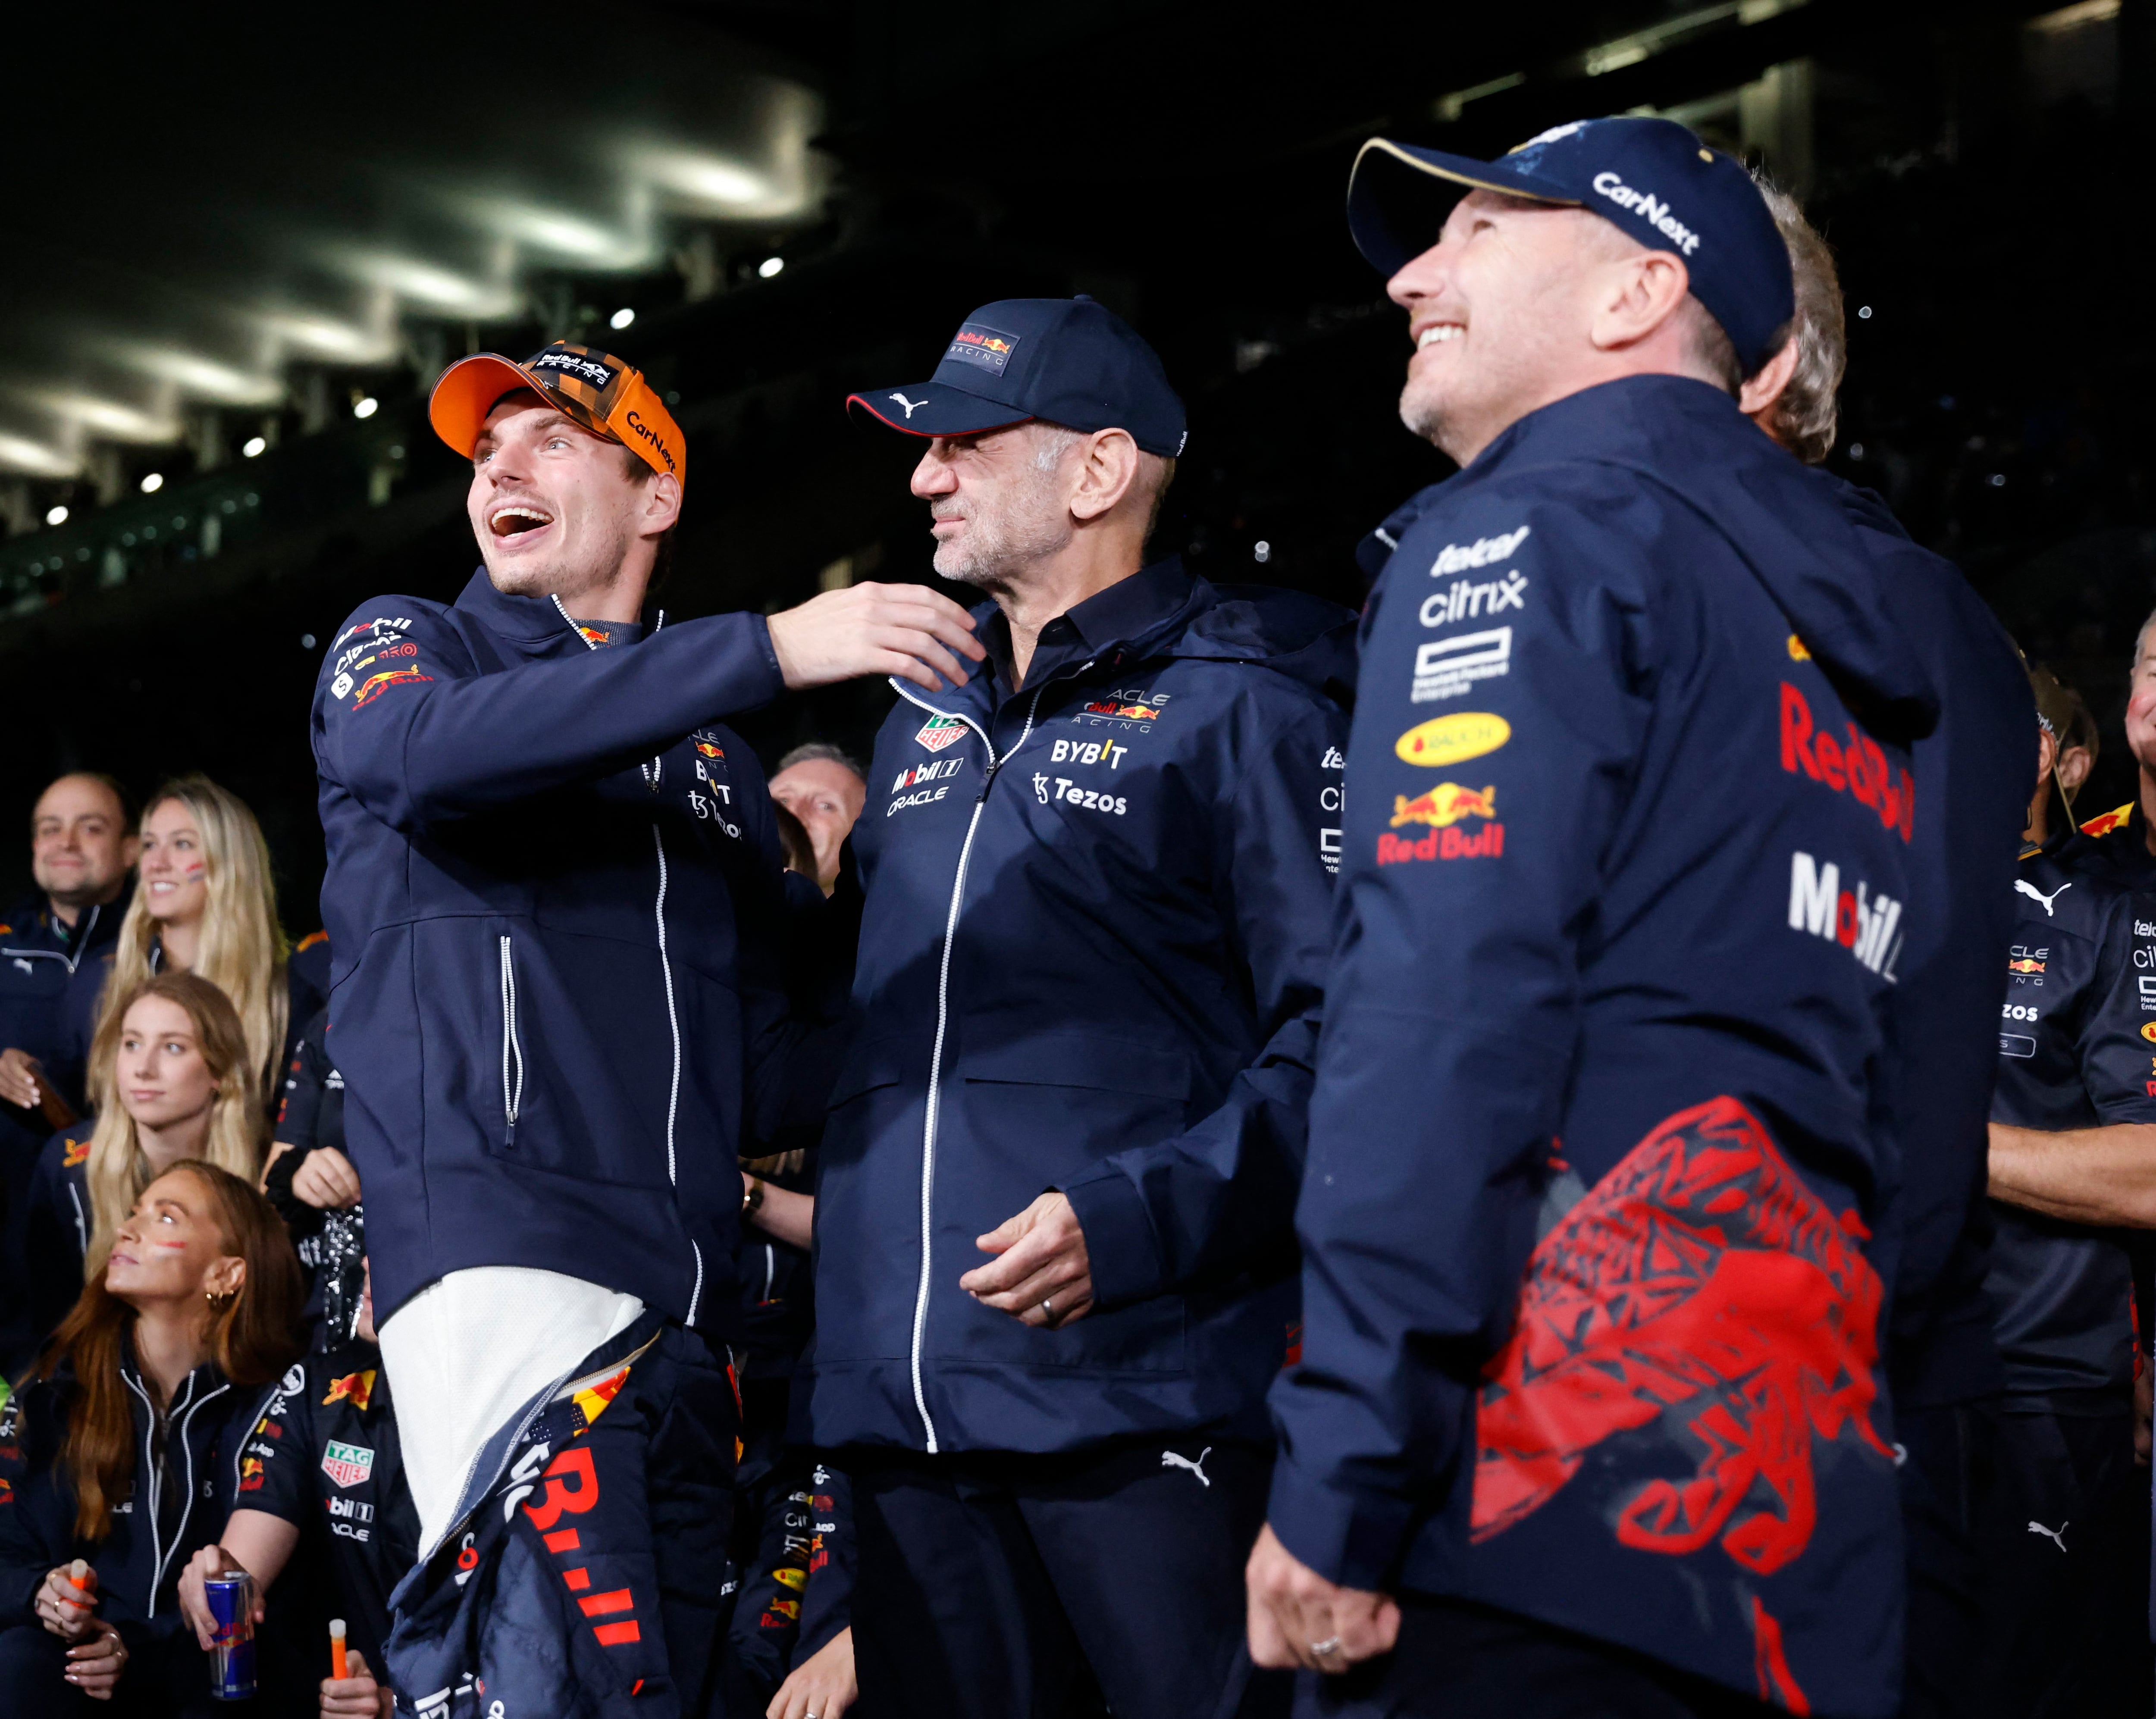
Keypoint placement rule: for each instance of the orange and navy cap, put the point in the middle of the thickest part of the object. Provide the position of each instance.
(607, 395)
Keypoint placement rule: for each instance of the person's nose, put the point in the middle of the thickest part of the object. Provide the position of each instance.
(933, 476)
(1418, 280)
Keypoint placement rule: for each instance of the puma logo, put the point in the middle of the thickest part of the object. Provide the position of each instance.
(2059, 1537)
(2023, 885)
(909, 404)
(1168, 1459)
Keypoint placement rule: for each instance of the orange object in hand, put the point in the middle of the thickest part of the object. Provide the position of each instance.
(78, 1575)
(336, 1649)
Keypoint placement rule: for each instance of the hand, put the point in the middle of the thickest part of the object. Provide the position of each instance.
(905, 630)
(64, 1609)
(326, 1180)
(1294, 1610)
(822, 1687)
(357, 1696)
(18, 1078)
(1043, 1276)
(95, 1667)
(194, 1605)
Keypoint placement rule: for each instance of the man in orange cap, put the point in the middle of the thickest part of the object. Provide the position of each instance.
(552, 890)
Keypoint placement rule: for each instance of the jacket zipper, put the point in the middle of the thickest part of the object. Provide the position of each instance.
(82, 937)
(512, 1047)
(653, 772)
(180, 1535)
(942, 1021)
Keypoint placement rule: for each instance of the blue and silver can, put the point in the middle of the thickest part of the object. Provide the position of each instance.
(231, 1601)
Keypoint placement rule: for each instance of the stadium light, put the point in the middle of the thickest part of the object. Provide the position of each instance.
(251, 446)
(770, 266)
(153, 482)
(366, 407)
(621, 318)
(56, 516)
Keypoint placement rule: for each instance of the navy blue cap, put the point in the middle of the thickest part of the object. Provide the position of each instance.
(1651, 178)
(1071, 361)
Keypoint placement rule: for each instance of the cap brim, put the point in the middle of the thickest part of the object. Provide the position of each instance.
(467, 392)
(935, 408)
(1399, 196)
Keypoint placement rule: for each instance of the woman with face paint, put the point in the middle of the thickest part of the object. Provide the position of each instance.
(204, 903)
(117, 1454)
(179, 1074)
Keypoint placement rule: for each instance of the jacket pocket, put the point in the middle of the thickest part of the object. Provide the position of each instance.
(512, 1046)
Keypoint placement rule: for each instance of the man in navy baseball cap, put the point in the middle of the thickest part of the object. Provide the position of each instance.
(1098, 889)
(1068, 361)
(1651, 178)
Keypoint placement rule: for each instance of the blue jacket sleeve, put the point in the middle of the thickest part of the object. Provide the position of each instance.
(1220, 1195)
(1474, 845)
(29, 1513)
(2117, 1067)
(414, 732)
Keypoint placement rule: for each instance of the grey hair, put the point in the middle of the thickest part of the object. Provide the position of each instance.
(814, 751)
(1807, 414)
(1157, 469)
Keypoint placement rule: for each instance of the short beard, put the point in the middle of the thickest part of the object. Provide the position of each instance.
(1424, 415)
(1036, 525)
(594, 573)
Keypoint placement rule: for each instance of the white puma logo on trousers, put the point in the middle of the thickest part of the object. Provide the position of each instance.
(1168, 1459)
(2058, 1536)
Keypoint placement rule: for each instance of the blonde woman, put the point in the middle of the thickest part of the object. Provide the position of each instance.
(203, 904)
(173, 1053)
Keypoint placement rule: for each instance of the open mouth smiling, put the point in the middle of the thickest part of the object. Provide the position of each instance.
(517, 519)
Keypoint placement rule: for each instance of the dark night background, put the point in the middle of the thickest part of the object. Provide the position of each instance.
(181, 193)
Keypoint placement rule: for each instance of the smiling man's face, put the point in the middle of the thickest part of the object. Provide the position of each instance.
(558, 510)
(1499, 311)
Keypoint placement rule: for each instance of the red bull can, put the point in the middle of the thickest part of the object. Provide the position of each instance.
(231, 1601)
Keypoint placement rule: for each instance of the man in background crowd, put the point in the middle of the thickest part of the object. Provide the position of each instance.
(1943, 1363)
(826, 790)
(82, 848)
(2122, 842)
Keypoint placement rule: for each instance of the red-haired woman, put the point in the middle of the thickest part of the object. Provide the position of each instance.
(110, 1451)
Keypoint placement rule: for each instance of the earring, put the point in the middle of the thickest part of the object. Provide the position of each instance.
(217, 1302)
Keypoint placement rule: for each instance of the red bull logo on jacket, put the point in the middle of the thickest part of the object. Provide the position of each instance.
(1442, 808)
(354, 1387)
(1701, 1297)
(1855, 766)
(376, 684)
(1443, 805)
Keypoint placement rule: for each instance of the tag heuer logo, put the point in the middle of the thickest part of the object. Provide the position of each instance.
(940, 731)
(348, 1464)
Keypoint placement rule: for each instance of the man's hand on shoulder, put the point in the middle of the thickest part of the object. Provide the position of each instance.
(905, 630)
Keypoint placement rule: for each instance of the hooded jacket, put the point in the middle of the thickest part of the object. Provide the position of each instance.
(1600, 1137)
(1975, 766)
(552, 895)
(1092, 960)
(171, 1510)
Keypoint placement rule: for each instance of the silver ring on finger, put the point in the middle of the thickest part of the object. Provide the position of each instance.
(1048, 1307)
(1321, 1650)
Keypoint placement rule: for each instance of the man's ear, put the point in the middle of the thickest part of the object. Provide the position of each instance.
(1636, 297)
(662, 504)
(1107, 467)
(1755, 398)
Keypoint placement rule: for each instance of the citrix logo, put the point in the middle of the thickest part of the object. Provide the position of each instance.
(1648, 208)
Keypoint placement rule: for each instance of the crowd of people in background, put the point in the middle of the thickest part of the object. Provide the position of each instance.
(1197, 1196)
(170, 1132)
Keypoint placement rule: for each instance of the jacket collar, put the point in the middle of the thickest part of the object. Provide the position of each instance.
(521, 620)
(1130, 619)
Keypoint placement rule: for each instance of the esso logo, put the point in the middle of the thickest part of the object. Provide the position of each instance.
(2017, 1011)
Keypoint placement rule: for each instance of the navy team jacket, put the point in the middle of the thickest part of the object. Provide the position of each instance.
(1600, 1137)
(1976, 766)
(1091, 959)
(175, 1502)
(2071, 1054)
(551, 896)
